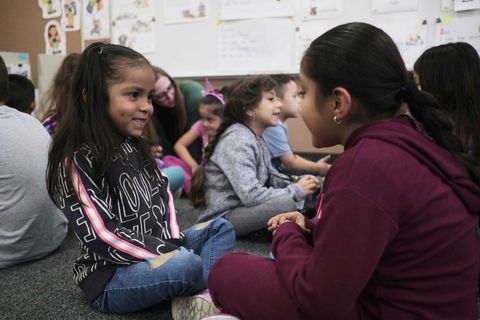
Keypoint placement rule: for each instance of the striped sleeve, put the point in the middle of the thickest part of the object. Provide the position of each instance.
(88, 211)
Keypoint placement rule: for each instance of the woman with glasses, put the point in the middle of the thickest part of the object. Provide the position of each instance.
(175, 111)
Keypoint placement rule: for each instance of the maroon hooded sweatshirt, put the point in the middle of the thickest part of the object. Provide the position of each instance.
(394, 238)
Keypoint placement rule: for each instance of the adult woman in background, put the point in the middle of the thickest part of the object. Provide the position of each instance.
(175, 111)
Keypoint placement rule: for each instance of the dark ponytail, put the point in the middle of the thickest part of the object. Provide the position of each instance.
(365, 61)
(244, 95)
(437, 125)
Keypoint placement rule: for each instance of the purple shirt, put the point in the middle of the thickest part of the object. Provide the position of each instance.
(395, 235)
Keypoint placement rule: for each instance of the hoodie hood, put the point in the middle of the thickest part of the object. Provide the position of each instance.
(403, 133)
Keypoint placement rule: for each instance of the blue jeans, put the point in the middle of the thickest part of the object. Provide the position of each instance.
(183, 272)
(176, 177)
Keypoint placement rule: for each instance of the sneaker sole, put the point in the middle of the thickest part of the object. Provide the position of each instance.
(192, 308)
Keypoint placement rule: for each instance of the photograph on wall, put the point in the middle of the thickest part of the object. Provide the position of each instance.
(96, 19)
(181, 11)
(70, 15)
(50, 8)
(389, 6)
(133, 24)
(55, 39)
(321, 9)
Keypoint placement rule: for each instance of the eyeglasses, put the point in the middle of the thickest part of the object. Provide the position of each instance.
(164, 94)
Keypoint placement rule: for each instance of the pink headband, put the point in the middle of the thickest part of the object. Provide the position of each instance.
(211, 92)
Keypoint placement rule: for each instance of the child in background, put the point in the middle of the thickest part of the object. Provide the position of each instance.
(451, 73)
(276, 137)
(54, 103)
(211, 113)
(395, 236)
(102, 174)
(238, 181)
(22, 93)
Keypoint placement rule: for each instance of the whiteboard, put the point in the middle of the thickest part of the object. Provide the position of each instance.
(192, 49)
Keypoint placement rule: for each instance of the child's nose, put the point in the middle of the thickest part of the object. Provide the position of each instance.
(278, 103)
(147, 106)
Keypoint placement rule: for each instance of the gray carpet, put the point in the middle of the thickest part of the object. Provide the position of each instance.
(44, 289)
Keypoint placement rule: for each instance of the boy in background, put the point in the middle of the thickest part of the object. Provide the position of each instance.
(276, 137)
(22, 93)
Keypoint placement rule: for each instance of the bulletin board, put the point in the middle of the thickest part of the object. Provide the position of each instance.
(224, 42)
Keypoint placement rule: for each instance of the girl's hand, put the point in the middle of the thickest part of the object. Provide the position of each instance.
(309, 184)
(157, 151)
(279, 219)
(323, 165)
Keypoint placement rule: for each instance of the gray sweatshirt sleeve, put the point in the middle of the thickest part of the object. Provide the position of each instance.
(238, 156)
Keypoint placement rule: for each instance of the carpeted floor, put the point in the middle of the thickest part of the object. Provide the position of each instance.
(44, 289)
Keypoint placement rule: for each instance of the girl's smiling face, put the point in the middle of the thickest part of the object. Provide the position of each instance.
(130, 100)
(210, 121)
(266, 114)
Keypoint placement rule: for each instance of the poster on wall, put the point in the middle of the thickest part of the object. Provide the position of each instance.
(389, 6)
(181, 11)
(459, 29)
(96, 19)
(256, 45)
(304, 35)
(248, 9)
(321, 9)
(133, 24)
(55, 39)
(70, 15)
(461, 5)
(410, 39)
(50, 8)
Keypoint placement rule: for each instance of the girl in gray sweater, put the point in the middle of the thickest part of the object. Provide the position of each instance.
(236, 179)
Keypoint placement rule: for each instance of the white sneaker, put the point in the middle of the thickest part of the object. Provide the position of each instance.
(194, 307)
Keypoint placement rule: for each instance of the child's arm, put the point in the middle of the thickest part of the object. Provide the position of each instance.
(182, 144)
(88, 210)
(294, 161)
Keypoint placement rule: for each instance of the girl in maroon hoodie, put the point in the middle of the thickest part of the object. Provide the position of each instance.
(395, 232)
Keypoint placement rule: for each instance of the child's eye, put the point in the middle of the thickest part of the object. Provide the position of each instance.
(134, 94)
(301, 94)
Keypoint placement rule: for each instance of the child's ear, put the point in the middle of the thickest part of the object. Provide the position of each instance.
(341, 104)
(32, 107)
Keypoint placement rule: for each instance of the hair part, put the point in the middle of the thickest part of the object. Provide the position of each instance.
(244, 95)
(86, 121)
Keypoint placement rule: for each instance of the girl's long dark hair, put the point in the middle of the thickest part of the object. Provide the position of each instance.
(243, 95)
(364, 60)
(86, 120)
(451, 73)
(55, 100)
